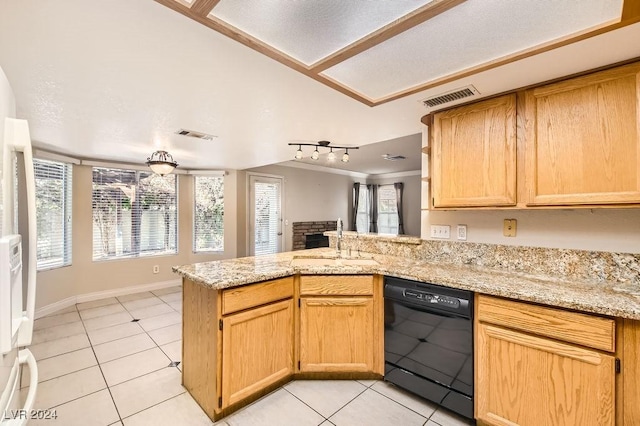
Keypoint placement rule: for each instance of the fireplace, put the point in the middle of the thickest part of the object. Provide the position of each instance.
(310, 234)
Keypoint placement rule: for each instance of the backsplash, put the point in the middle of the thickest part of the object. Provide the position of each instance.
(593, 266)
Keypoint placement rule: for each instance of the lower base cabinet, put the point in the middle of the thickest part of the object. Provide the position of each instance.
(257, 350)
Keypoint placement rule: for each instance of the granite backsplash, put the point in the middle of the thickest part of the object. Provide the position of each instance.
(592, 266)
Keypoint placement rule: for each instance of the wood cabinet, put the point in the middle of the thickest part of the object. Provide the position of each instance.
(257, 350)
(474, 154)
(583, 139)
(529, 374)
(572, 143)
(340, 324)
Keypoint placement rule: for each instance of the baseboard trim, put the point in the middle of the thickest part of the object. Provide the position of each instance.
(97, 295)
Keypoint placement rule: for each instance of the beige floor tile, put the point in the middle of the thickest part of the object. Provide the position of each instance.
(179, 411)
(96, 303)
(59, 346)
(54, 320)
(368, 383)
(165, 335)
(141, 303)
(71, 308)
(172, 297)
(118, 348)
(62, 364)
(135, 296)
(373, 409)
(57, 332)
(101, 311)
(107, 321)
(325, 396)
(167, 290)
(115, 332)
(417, 404)
(278, 408)
(151, 311)
(173, 350)
(96, 409)
(148, 390)
(67, 388)
(432, 423)
(447, 418)
(177, 306)
(132, 366)
(160, 321)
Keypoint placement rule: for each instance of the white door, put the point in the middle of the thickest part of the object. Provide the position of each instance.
(265, 218)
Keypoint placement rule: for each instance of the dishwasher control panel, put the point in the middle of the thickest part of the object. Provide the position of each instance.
(435, 299)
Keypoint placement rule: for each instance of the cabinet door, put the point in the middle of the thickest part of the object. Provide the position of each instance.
(583, 140)
(474, 154)
(336, 334)
(257, 350)
(531, 381)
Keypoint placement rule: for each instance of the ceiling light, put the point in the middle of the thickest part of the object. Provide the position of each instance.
(324, 144)
(331, 157)
(161, 163)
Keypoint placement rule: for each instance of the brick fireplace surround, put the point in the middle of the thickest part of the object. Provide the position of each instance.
(302, 229)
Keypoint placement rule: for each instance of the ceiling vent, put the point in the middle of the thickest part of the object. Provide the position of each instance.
(393, 157)
(451, 96)
(194, 134)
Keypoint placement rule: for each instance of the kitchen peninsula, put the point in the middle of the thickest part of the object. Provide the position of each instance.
(252, 324)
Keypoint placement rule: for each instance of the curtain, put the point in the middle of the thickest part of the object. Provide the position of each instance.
(373, 207)
(399, 186)
(356, 198)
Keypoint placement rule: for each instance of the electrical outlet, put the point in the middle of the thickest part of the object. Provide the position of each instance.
(462, 232)
(509, 227)
(156, 269)
(441, 231)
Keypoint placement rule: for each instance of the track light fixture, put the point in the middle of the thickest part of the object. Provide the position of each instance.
(325, 144)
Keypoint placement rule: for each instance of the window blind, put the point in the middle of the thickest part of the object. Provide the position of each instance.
(267, 217)
(53, 213)
(134, 213)
(387, 210)
(208, 221)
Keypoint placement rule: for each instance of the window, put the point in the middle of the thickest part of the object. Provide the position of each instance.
(134, 214)
(53, 213)
(208, 222)
(387, 210)
(362, 215)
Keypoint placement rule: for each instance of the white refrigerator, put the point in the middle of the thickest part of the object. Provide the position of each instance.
(17, 303)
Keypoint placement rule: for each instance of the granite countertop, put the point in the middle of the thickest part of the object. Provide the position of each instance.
(613, 299)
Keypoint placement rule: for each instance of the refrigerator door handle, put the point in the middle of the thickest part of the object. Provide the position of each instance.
(26, 357)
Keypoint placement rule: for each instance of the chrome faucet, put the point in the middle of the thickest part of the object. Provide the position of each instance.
(339, 239)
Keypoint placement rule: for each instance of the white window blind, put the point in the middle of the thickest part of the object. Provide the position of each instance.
(53, 213)
(362, 215)
(134, 214)
(208, 221)
(267, 217)
(387, 210)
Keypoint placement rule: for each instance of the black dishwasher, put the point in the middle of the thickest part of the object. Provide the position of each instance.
(428, 342)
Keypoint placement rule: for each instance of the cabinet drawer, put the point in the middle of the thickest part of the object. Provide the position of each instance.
(345, 285)
(245, 297)
(587, 330)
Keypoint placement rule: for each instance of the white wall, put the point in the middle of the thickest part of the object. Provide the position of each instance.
(84, 276)
(311, 196)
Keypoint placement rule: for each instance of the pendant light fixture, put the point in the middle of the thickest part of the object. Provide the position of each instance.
(323, 144)
(161, 163)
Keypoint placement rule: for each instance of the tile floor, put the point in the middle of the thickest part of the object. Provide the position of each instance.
(106, 362)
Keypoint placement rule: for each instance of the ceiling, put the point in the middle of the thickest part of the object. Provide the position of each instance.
(115, 79)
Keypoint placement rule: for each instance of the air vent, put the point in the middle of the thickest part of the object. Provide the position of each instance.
(194, 134)
(454, 95)
(393, 157)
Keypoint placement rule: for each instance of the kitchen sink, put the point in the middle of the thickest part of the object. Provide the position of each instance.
(323, 261)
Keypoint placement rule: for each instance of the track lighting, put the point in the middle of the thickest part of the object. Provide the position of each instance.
(325, 144)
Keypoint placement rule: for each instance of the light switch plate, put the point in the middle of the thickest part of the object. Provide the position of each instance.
(441, 231)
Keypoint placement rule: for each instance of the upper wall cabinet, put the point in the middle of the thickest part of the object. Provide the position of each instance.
(582, 140)
(474, 154)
